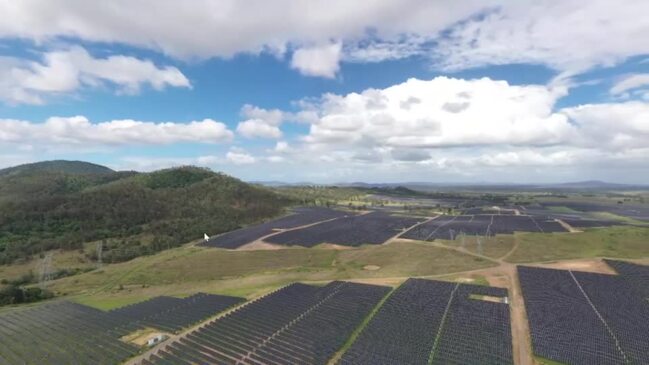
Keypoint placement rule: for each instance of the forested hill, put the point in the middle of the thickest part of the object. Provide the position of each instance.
(42, 208)
(57, 166)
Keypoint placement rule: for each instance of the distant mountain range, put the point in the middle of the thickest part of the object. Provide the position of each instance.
(81, 168)
(589, 185)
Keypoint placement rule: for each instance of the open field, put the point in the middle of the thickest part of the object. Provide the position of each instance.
(622, 242)
(248, 273)
(189, 269)
(60, 260)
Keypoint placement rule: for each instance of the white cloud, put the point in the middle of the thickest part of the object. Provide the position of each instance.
(275, 159)
(491, 113)
(379, 51)
(239, 156)
(568, 35)
(156, 163)
(79, 131)
(445, 129)
(629, 83)
(282, 146)
(321, 61)
(66, 71)
(257, 128)
(223, 28)
(261, 123)
(611, 126)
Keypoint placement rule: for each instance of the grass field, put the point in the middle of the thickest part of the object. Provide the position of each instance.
(494, 247)
(60, 260)
(621, 242)
(187, 270)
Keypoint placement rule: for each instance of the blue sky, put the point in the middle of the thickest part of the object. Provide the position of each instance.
(327, 91)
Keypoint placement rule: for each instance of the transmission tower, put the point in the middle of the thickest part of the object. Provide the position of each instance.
(479, 243)
(451, 233)
(45, 270)
(100, 249)
(462, 239)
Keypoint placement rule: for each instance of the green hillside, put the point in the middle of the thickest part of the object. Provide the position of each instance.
(57, 166)
(132, 213)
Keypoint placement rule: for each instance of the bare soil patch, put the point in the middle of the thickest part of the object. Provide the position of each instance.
(142, 337)
(371, 267)
(260, 245)
(588, 265)
(395, 281)
(568, 227)
(332, 246)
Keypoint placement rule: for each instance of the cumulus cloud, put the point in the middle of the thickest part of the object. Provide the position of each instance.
(256, 128)
(449, 112)
(321, 61)
(460, 128)
(79, 131)
(66, 71)
(260, 123)
(615, 126)
(239, 156)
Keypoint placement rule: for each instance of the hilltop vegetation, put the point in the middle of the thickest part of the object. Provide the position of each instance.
(58, 166)
(42, 208)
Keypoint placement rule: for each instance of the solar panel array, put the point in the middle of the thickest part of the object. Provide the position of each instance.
(448, 226)
(63, 333)
(371, 228)
(298, 324)
(426, 321)
(172, 314)
(585, 318)
(300, 217)
(637, 275)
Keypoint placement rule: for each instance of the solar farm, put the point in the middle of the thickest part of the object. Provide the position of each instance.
(435, 322)
(299, 217)
(371, 228)
(574, 318)
(64, 332)
(449, 227)
(172, 314)
(351, 287)
(585, 318)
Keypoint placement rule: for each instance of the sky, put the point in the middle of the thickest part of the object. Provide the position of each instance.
(327, 91)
